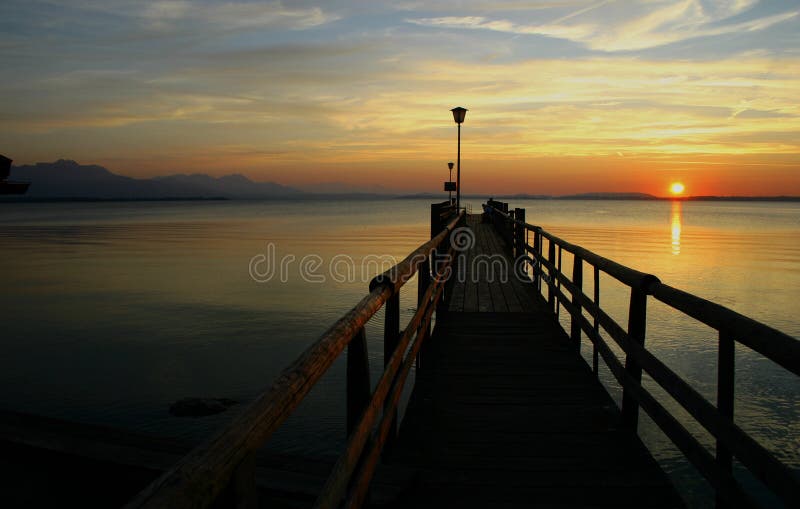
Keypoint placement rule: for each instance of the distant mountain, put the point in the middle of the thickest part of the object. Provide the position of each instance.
(68, 179)
(345, 188)
(229, 186)
(744, 198)
(525, 196)
(608, 196)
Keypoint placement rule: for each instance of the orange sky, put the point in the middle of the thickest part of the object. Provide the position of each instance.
(564, 97)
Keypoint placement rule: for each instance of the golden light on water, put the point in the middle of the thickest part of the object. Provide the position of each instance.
(677, 188)
(676, 227)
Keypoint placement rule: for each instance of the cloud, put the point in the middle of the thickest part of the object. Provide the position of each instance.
(571, 32)
(230, 15)
(164, 14)
(756, 114)
(641, 26)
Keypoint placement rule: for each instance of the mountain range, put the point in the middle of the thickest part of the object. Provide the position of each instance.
(68, 179)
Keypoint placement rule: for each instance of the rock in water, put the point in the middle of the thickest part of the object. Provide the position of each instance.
(200, 407)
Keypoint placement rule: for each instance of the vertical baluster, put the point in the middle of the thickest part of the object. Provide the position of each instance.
(391, 335)
(551, 257)
(537, 263)
(577, 280)
(726, 368)
(422, 286)
(637, 322)
(508, 233)
(358, 386)
(540, 252)
(449, 274)
(595, 359)
(519, 237)
(557, 282)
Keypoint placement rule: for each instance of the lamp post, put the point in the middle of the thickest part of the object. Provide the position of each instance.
(449, 181)
(458, 115)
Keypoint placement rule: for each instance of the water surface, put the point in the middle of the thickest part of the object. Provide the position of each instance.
(112, 311)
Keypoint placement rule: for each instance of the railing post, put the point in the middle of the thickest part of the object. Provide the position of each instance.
(557, 282)
(637, 322)
(423, 283)
(577, 280)
(436, 263)
(725, 391)
(537, 262)
(507, 229)
(436, 225)
(358, 386)
(519, 233)
(551, 293)
(508, 233)
(391, 336)
(595, 356)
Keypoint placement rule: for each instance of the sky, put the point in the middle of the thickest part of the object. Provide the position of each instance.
(563, 96)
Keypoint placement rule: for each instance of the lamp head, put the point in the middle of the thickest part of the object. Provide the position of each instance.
(458, 114)
(450, 165)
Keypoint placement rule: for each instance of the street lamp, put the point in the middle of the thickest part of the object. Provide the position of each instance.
(458, 115)
(450, 181)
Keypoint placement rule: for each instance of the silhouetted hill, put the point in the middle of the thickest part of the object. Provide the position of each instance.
(68, 179)
(608, 196)
(345, 188)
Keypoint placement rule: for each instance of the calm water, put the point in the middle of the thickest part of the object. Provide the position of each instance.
(112, 311)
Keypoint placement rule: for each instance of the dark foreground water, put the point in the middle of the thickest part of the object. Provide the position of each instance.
(112, 311)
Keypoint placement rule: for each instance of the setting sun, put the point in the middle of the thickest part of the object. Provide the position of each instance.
(676, 188)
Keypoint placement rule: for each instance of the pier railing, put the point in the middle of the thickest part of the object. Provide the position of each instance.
(222, 470)
(732, 327)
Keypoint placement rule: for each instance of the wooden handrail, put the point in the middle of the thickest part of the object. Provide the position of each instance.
(732, 327)
(773, 344)
(337, 482)
(200, 477)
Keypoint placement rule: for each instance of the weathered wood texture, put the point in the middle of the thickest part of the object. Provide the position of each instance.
(507, 415)
(485, 280)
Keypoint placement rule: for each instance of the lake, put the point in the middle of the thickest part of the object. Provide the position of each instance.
(114, 310)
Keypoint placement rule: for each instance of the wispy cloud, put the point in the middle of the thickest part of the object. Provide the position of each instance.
(237, 14)
(643, 25)
(234, 15)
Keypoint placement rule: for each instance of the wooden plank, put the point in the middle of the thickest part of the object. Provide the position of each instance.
(499, 265)
(509, 415)
(483, 269)
(496, 293)
(470, 285)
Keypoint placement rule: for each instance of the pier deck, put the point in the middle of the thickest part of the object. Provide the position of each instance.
(492, 288)
(506, 414)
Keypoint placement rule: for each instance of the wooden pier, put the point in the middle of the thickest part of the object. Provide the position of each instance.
(504, 411)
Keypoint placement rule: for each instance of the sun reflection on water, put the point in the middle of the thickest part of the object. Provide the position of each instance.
(676, 227)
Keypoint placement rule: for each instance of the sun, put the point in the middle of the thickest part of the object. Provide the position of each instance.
(677, 188)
